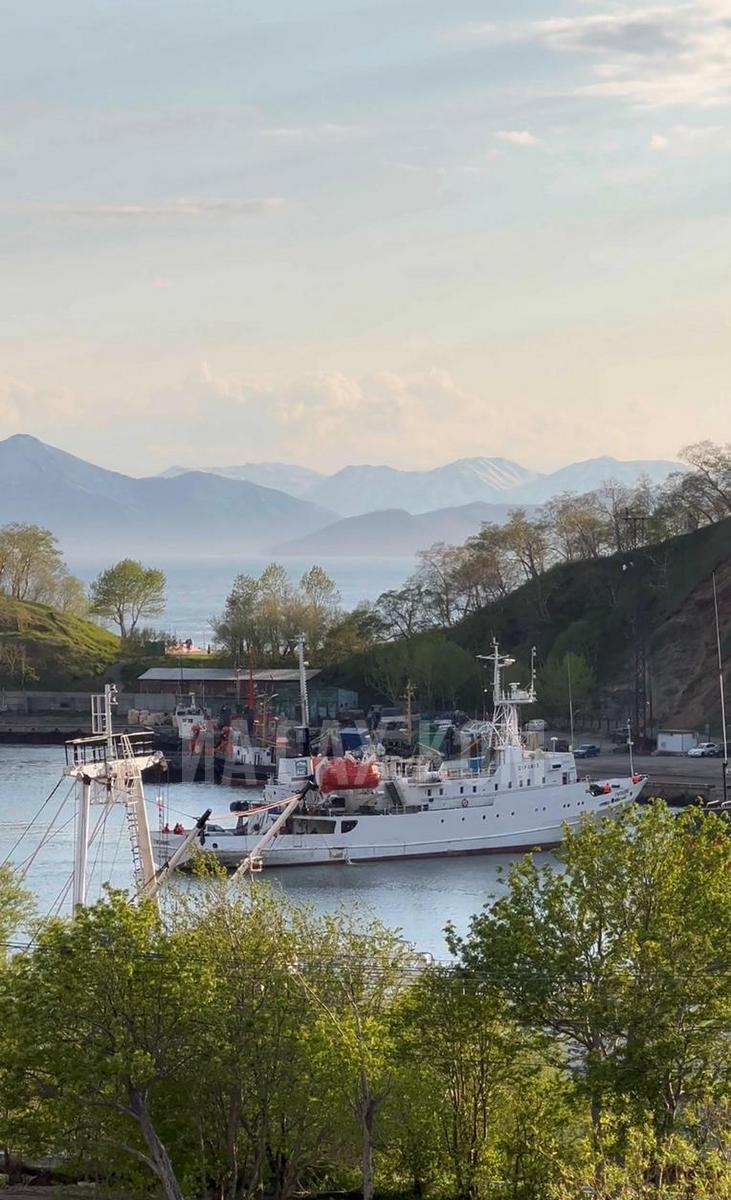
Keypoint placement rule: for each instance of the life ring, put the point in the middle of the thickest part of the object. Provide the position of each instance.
(465, 802)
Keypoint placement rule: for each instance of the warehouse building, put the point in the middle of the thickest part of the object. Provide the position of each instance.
(214, 687)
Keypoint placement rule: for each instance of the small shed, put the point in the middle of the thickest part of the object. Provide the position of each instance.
(676, 741)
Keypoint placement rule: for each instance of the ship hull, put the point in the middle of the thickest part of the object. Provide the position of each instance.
(505, 825)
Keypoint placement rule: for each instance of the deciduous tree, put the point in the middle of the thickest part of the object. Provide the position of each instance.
(127, 591)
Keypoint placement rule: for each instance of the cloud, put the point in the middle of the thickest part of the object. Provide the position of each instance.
(652, 57)
(187, 208)
(419, 416)
(517, 137)
(688, 139)
(317, 132)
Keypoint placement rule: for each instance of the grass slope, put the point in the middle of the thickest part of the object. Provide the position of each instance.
(594, 608)
(62, 650)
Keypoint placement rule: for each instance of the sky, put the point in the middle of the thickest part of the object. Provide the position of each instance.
(392, 231)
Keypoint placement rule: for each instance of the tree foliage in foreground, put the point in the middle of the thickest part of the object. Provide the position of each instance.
(239, 1046)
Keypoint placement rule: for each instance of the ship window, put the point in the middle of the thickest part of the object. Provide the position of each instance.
(527, 783)
(429, 792)
(495, 787)
(510, 783)
(565, 778)
(441, 791)
(474, 789)
(461, 791)
(521, 783)
(483, 816)
(347, 826)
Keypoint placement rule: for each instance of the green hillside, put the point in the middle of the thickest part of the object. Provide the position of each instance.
(593, 607)
(40, 646)
(599, 609)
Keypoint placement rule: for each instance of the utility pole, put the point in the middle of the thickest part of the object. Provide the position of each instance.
(571, 701)
(408, 696)
(636, 525)
(304, 698)
(722, 691)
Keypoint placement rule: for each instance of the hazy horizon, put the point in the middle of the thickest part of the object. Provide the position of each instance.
(210, 466)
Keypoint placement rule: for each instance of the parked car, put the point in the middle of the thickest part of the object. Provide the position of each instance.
(705, 750)
(587, 750)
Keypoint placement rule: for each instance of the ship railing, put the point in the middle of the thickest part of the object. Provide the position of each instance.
(100, 749)
(422, 773)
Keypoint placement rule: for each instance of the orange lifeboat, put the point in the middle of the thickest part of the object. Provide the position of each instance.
(346, 774)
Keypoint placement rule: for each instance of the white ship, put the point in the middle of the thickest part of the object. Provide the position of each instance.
(515, 798)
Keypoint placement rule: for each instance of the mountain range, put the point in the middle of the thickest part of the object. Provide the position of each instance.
(94, 510)
(356, 490)
(359, 510)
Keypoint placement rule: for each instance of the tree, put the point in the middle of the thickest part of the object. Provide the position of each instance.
(356, 632)
(237, 631)
(440, 575)
(319, 605)
(352, 987)
(111, 1011)
(579, 526)
(623, 956)
(403, 611)
(456, 1038)
(256, 1107)
(711, 464)
(31, 568)
(127, 591)
(527, 539)
(489, 570)
(15, 907)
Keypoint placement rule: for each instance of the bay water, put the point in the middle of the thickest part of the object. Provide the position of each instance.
(418, 896)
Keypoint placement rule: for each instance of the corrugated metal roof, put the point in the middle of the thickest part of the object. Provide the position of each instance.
(221, 675)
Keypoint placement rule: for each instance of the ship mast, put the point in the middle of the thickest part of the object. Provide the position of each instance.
(107, 769)
(505, 722)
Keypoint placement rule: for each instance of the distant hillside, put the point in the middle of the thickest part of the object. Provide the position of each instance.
(192, 513)
(393, 531)
(284, 477)
(60, 649)
(356, 490)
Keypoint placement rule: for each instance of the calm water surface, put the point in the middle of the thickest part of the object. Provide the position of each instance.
(418, 897)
